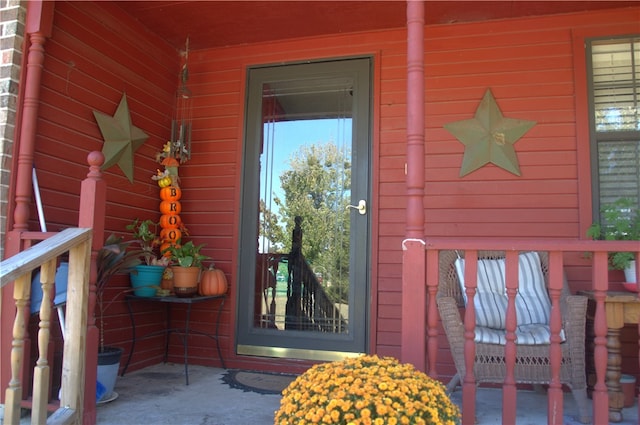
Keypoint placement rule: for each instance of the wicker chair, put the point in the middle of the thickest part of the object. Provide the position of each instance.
(532, 361)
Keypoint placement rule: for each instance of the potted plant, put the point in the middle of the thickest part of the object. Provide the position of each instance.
(366, 389)
(114, 258)
(146, 278)
(187, 265)
(621, 223)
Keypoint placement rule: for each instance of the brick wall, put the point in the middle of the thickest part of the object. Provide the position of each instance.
(11, 36)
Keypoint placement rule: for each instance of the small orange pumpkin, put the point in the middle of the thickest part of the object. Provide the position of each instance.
(170, 193)
(170, 208)
(213, 282)
(170, 221)
(165, 246)
(170, 162)
(170, 235)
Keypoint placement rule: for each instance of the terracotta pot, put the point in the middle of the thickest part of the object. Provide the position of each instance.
(185, 281)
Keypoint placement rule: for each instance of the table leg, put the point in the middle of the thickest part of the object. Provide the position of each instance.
(218, 333)
(133, 336)
(186, 344)
(614, 362)
(167, 334)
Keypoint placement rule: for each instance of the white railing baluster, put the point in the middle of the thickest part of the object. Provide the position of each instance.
(41, 371)
(18, 269)
(13, 395)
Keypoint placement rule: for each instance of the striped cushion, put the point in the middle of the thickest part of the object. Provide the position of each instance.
(535, 334)
(532, 301)
(533, 305)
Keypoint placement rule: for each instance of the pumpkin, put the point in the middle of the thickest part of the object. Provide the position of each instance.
(170, 162)
(170, 193)
(170, 221)
(213, 282)
(164, 182)
(170, 235)
(170, 208)
(165, 246)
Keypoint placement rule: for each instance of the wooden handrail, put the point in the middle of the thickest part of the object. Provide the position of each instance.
(37, 255)
(18, 268)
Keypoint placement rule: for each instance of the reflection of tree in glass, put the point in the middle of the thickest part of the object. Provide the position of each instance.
(271, 230)
(618, 118)
(316, 188)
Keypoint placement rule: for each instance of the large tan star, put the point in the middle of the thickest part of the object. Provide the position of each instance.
(121, 138)
(489, 137)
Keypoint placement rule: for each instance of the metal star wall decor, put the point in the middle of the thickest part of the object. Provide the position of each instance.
(489, 137)
(121, 138)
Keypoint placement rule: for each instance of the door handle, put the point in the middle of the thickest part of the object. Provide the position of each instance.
(361, 207)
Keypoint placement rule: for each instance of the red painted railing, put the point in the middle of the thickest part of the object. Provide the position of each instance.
(556, 248)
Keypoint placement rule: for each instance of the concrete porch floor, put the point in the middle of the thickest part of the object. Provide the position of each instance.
(158, 395)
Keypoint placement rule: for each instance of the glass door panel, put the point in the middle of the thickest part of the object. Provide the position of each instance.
(310, 126)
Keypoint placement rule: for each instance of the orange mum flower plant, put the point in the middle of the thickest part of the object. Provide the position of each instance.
(366, 390)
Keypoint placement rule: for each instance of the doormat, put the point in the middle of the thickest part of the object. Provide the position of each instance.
(258, 382)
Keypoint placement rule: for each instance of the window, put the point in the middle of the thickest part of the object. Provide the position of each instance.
(614, 106)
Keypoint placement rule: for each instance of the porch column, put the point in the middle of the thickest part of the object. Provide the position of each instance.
(413, 347)
(38, 28)
(93, 201)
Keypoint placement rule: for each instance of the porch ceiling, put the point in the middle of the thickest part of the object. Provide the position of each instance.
(225, 23)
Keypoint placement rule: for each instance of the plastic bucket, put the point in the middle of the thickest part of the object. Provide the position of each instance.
(60, 297)
(108, 365)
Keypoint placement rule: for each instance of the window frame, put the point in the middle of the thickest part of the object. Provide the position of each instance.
(595, 137)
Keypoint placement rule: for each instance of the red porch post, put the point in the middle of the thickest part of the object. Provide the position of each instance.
(413, 349)
(555, 407)
(93, 199)
(38, 29)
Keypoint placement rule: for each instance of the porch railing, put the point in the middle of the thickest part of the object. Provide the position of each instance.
(309, 307)
(317, 306)
(18, 268)
(308, 304)
(596, 250)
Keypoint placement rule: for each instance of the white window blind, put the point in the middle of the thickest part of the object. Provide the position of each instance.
(619, 171)
(615, 109)
(616, 72)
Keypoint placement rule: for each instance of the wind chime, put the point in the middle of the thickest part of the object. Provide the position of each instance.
(175, 152)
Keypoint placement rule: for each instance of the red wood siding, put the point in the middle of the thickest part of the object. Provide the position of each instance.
(553, 196)
(528, 64)
(94, 55)
(218, 79)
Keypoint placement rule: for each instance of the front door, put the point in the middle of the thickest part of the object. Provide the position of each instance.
(303, 266)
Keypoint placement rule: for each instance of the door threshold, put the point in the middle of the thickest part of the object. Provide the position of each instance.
(294, 353)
